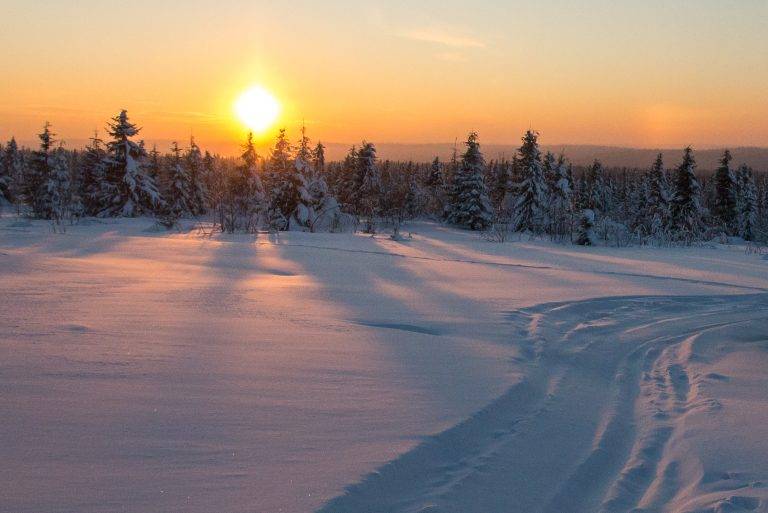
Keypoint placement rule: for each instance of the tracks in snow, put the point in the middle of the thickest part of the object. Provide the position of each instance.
(607, 383)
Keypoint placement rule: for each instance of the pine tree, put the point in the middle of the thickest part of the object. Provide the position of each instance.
(318, 158)
(35, 190)
(747, 204)
(93, 174)
(197, 191)
(11, 173)
(57, 187)
(284, 183)
(595, 188)
(724, 208)
(303, 151)
(657, 197)
(367, 185)
(529, 213)
(177, 195)
(561, 201)
(585, 235)
(246, 194)
(469, 203)
(129, 189)
(685, 207)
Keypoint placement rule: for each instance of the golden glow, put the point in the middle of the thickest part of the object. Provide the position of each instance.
(257, 108)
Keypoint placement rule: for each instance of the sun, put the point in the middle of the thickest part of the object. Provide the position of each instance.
(257, 108)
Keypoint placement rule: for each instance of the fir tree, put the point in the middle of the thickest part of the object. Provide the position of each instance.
(318, 158)
(657, 197)
(284, 182)
(11, 173)
(747, 204)
(177, 197)
(367, 185)
(470, 205)
(35, 190)
(129, 190)
(724, 208)
(246, 193)
(561, 201)
(529, 213)
(92, 173)
(57, 187)
(595, 188)
(685, 207)
(585, 235)
(197, 189)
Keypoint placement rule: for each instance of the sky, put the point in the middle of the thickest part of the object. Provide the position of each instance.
(626, 73)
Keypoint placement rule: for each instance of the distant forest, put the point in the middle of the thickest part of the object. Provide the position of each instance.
(533, 192)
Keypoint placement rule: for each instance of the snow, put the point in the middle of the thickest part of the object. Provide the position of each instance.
(152, 371)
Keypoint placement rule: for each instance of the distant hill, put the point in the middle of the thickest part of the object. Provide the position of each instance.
(579, 154)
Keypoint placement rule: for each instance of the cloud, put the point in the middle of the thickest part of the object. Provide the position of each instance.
(443, 36)
(452, 57)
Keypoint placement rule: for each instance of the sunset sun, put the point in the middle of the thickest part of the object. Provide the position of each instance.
(257, 108)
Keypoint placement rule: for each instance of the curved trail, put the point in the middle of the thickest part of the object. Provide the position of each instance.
(619, 411)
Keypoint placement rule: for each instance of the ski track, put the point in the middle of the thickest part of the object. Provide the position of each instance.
(591, 427)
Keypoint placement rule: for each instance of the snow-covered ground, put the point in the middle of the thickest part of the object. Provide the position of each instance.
(143, 371)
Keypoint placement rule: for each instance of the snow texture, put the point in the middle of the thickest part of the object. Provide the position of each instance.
(152, 371)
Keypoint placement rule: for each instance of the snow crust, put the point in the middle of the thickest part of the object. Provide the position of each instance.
(149, 371)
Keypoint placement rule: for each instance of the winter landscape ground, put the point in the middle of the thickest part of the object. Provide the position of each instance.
(151, 371)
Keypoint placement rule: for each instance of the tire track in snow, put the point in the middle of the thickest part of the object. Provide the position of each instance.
(587, 428)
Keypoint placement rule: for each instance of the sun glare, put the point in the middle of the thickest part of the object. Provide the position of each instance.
(257, 108)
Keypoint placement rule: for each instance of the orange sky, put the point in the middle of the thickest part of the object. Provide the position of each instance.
(658, 74)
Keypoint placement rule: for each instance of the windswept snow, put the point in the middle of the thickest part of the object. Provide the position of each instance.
(143, 371)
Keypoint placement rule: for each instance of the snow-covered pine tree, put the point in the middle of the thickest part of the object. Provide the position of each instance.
(585, 233)
(747, 203)
(435, 185)
(303, 151)
(57, 187)
(129, 189)
(724, 207)
(11, 173)
(367, 185)
(595, 199)
(317, 209)
(657, 198)
(92, 176)
(177, 191)
(685, 205)
(530, 208)
(198, 192)
(561, 202)
(284, 182)
(469, 204)
(36, 180)
(318, 158)
(245, 199)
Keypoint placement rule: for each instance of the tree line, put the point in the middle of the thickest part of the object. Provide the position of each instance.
(294, 188)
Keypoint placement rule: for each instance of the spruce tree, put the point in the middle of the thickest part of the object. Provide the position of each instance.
(367, 185)
(657, 197)
(585, 235)
(595, 188)
(92, 173)
(747, 204)
(41, 165)
(57, 187)
(561, 201)
(11, 173)
(177, 195)
(197, 190)
(724, 208)
(469, 204)
(530, 209)
(246, 192)
(685, 207)
(284, 183)
(318, 158)
(129, 189)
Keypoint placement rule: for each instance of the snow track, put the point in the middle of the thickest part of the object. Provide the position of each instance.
(621, 410)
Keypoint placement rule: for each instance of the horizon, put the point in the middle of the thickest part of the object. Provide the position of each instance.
(657, 75)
